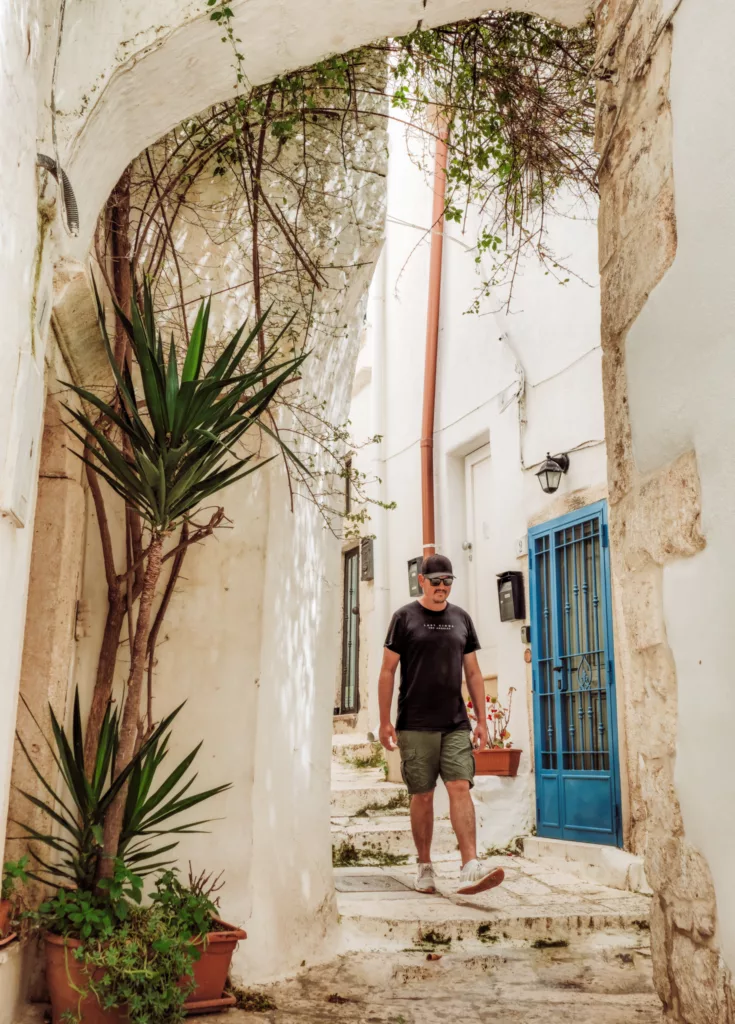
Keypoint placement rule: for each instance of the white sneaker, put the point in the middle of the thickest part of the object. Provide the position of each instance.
(425, 880)
(475, 877)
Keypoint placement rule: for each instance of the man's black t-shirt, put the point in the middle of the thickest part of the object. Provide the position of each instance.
(431, 646)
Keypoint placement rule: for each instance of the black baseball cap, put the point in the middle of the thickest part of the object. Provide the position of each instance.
(436, 565)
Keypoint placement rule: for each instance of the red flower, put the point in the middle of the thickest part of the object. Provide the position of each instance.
(469, 703)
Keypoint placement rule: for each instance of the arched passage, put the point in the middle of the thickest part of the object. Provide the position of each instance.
(638, 244)
(156, 67)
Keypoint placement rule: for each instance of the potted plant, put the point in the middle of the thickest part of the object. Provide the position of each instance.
(500, 756)
(112, 961)
(168, 440)
(165, 441)
(196, 910)
(14, 872)
(109, 959)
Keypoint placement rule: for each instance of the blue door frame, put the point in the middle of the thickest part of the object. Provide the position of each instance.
(574, 707)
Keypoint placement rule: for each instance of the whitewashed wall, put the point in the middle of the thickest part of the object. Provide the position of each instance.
(680, 357)
(678, 354)
(554, 331)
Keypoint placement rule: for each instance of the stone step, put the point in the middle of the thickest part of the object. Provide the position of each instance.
(390, 835)
(429, 922)
(349, 800)
(607, 865)
(545, 908)
(351, 745)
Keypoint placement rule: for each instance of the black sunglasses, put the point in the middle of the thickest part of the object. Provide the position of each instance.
(437, 581)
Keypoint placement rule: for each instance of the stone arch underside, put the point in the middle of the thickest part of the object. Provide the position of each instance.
(155, 67)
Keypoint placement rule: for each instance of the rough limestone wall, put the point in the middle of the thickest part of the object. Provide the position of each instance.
(48, 642)
(655, 518)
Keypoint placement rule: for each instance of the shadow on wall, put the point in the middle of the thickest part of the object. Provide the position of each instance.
(294, 911)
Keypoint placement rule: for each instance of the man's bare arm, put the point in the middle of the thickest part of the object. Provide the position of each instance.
(386, 682)
(476, 686)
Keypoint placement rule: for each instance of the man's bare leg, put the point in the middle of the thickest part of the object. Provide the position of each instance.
(462, 816)
(422, 824)
(462, 813)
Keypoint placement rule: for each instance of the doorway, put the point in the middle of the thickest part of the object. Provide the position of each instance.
(350, 691)
(575, 717)
(481, 556)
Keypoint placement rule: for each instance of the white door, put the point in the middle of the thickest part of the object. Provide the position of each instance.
(480, 560)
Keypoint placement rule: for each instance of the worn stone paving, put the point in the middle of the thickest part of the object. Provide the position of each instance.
(544, 944)
(607, 984)
(535, 902)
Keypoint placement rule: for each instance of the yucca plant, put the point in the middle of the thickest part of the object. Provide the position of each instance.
(164, 452)
(77, 813)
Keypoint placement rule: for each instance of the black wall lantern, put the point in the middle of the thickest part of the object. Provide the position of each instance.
(551, 471)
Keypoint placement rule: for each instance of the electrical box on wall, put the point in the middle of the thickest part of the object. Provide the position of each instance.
(414, 564)
(511, 596)
(367, 560)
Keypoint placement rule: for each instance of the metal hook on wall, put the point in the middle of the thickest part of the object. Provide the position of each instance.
(70, 202)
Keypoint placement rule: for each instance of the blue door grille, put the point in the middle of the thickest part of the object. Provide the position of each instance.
(574, 696)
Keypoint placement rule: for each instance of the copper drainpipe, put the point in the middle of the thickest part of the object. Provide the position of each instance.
(432, 342)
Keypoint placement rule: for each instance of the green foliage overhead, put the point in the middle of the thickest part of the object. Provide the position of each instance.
(179, 436)
(517, 96)
(516, 92)
(76, 821)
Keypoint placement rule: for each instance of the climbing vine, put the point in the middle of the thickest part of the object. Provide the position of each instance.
(516, 97)
(515, 94)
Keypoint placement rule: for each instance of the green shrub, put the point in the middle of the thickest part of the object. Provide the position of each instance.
(139, 953)
(14, 871)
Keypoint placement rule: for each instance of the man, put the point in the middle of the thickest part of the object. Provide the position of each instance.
(434, 642)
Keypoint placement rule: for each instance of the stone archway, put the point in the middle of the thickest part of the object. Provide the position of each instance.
(175, 53)
(655, 514)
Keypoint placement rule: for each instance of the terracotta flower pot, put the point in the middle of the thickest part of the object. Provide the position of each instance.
(211, 970)
(63, 974)
(497, 761)
(6, 913)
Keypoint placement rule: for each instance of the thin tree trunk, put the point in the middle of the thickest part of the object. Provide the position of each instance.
(117, 599)
(104, 679)
(113, 626)
(131, 709)
(158, 622)
(120, 258)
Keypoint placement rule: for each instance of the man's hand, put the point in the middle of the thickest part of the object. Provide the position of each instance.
(479, 736)
(387, 736)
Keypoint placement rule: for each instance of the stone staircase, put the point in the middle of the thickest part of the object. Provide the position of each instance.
(539, 905)
(370, 819)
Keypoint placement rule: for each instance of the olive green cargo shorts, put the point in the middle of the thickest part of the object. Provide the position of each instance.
(427, 755)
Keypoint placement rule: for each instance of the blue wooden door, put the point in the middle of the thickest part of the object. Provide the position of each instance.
(575, 723)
